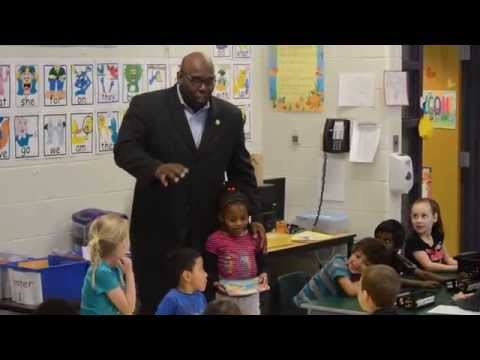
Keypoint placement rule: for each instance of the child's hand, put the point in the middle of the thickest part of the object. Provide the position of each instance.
(220, 288)
(428, 284)
(263, 280)
(461, 296)
(125, 264)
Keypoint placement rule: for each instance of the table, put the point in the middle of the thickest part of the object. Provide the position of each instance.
(278, 244)
(342, 305)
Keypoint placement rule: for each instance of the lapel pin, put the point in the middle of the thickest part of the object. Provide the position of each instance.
(217, 122)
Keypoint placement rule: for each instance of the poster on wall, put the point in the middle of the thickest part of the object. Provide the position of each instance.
(4, 137)
(108, 87)
(223, 84)
(242, 81)
(26, 136)
(54, 135)
(132, 81)
(55, 85)
(4, 86)
(246, 113)
(82, 84)
(222, 51)
(107, 130)
(427, 182)
(173, 69)
(296, 78)
(156, 77)
(242, 51)
(26, 85)
(81, 133)
(441, 105)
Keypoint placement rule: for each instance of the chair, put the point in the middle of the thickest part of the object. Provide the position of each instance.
(290, 285)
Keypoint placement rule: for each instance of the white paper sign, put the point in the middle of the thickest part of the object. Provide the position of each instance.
(365, 140)
(26, 287)
(395, 83)
(356, 89)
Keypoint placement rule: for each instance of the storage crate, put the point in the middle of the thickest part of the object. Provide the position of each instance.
(81, 221)
(5, 259)
(34, 281)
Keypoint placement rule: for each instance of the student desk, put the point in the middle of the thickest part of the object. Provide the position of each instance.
(341, 305)
(279, 244)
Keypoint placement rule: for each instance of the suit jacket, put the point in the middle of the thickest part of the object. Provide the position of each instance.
(154, 131)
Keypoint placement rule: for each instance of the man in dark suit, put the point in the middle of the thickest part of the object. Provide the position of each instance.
(178, 143)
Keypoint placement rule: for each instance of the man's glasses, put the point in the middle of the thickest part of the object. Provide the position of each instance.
(198, 81)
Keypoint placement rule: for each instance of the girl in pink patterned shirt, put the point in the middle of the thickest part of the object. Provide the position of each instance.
(234, 254)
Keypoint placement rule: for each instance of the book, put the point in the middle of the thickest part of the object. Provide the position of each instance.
(243, 287)
(306, 236)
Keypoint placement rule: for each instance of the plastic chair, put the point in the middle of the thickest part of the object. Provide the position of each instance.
(290, 285)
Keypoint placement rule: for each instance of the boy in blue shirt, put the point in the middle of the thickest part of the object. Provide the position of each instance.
(340, 275)
(187, 298)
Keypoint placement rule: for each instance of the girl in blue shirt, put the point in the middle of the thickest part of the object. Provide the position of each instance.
(109, 286)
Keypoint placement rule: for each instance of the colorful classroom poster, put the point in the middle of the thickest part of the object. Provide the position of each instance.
(27, 85)
(222, 51)
(26, 136)
(156, 77)
(427, 182)
(4, 137)
(55, 85)
(54, 135)
(82, 84)
(242, 51)
(173, 68)
(223, 85)
(4, 86)
(241, 81)
(296, 78)
(81, 129)
(132, 81)
(108, 124)
(246, 113)
(108, 87)
(441, 105)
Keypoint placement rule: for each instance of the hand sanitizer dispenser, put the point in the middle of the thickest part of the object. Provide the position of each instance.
(400, 173)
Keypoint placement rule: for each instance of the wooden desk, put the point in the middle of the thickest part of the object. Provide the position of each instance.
(282, 243)
(342, 305)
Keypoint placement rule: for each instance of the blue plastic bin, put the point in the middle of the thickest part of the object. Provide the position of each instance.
(63, 278)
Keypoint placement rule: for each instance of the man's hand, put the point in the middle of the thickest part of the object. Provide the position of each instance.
(259, 233)
(170, 172)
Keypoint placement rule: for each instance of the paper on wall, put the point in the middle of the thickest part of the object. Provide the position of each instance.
(356, 89)
(395, 84)
(365, 140)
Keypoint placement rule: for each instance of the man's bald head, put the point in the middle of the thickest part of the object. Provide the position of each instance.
(196, 79)
(196, 61)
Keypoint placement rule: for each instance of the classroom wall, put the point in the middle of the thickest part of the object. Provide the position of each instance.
(367, 197)
(38, 197)
(35, 211)
(441, 152)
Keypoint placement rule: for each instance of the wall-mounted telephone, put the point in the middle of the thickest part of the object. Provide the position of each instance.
(336, 136)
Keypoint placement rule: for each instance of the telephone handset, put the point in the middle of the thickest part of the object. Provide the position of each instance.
(336, 136)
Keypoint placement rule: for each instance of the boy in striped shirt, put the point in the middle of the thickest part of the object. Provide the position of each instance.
(339, 277)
